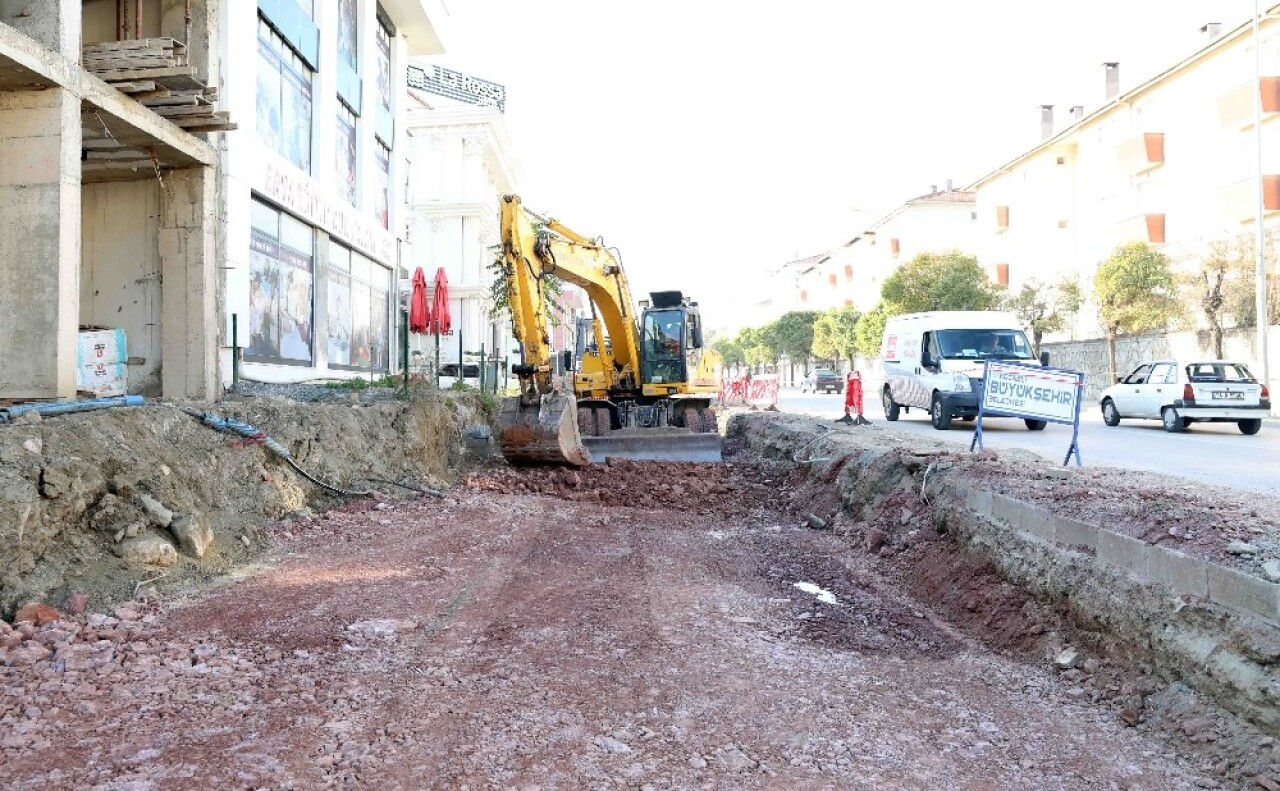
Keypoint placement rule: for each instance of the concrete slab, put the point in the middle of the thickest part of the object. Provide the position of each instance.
(1073, 533)
(1178, 571)
(1244, 593)
(1123, 552)
(979, 501)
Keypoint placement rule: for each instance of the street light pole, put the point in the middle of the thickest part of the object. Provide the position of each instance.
(1263, 318)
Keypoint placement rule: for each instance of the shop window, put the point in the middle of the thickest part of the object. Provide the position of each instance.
(382, 195)
(357, 311)
(349, 54)
(284, 98)
(345, 153)
(281, 287)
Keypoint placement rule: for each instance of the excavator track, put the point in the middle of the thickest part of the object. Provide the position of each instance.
(542, 433)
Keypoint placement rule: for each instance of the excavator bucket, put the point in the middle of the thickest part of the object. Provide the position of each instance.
(655, 444)
(542, 433)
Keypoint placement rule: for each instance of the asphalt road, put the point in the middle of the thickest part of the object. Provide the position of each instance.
(1216, 454)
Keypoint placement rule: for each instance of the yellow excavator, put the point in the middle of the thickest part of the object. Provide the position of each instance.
(644, 383)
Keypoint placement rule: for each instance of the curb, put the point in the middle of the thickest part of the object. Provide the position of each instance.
(1179, 572)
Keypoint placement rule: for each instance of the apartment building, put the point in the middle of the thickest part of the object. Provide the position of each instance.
(185, 175)
(852, 274)
(315, 180)
(1172, 162)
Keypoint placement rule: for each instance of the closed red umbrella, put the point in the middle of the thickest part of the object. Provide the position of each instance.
(419, 310)
(441, 320)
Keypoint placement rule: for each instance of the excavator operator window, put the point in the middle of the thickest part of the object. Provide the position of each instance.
(664, 346)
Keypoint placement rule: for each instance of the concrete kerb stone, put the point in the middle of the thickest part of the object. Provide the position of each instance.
(1123, 552)
(1180, 572)
(1245, 593)
(1072, 533)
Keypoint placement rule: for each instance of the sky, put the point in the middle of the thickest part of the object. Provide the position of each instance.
(712, 141)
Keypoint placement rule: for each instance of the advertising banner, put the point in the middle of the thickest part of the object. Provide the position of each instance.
(1031, 392)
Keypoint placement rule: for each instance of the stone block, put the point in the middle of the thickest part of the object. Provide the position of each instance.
(1074, 533)
(1006, 509)
(1244, 593)
(979, 501)
(1180, 572)
(1123, 552)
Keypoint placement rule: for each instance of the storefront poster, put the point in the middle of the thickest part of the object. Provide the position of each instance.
(339, 318)
(280, 302)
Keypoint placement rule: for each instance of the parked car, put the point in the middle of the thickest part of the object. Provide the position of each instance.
(1179, 394)
(823, 379)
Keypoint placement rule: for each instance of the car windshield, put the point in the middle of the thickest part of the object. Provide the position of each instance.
(824, 372)
(1220, 372)
(982, 344)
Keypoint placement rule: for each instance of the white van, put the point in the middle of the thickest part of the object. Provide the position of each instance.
(934, 361)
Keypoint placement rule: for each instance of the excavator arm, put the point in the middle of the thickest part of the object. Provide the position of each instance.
(530, 252)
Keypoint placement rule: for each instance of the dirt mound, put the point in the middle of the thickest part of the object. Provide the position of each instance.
(108, 503)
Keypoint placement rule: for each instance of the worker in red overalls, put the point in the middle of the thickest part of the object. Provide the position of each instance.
(853, 400)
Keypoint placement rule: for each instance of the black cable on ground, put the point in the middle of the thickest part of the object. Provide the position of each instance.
(432, 492)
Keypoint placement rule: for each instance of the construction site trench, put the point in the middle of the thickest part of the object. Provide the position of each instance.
(830, 607)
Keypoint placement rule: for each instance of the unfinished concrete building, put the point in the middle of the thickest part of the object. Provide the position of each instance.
(172, 167)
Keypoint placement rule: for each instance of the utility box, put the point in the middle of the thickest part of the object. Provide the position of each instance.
(101, 359)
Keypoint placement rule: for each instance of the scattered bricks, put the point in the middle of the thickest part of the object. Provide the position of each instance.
(1073, 533)
(1123, 552)
(1181, 573)
(980, 502)
(1244, 593)
(36, 613)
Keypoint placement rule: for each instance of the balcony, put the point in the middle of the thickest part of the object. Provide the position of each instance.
(1235, 108)
(1240, 200)
(1143, 228)
(1141, 154)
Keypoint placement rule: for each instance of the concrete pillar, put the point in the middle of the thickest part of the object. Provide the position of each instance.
(54, 24)
(201, 37)
(39, 243)
(188, 316)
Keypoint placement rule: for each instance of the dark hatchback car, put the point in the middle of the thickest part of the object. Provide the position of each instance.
(822, 380)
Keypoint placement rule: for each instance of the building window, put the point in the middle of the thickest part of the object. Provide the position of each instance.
(358, 311)
(347, 30)
(308, 7)
(284, 98)
(384, 65)
(382, 195)
(345, 150)
(1002, 274)
(281, 275)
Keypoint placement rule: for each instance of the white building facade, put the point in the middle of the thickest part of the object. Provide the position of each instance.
(851, 276)
(314, 181)
(461, 160)
(1172, 162)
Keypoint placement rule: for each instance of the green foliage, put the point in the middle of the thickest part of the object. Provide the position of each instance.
(1240, 280)
(939, 281)
(835, 334)
(870, 331)
(1042, 309)
(363, 383)
(792, 334)
(760, 355)
(730, 350)
(1135, 290)
(499, 300)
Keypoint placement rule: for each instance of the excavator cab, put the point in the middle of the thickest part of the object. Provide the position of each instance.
(671, 330)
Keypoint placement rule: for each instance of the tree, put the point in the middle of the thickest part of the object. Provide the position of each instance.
(939, 281)
(1241, 280)
(792, 335)
(835, 334)
(730, 351)
(760, 355)
(1210, 284)
(870, 331)
(1042, 310)
(1135, 292)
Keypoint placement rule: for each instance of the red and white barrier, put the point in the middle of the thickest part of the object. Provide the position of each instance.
(758, 391)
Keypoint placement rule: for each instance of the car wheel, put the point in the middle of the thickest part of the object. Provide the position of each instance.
(891, 408)
(1110, 415)
(1172, 423)
(938, 414)
(1250, 427)
(1036, 425)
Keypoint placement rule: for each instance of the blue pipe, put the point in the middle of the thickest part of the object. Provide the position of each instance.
(245, 430)
(67, 407)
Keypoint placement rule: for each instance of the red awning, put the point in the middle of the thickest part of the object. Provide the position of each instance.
(442, 321)
(419, 310)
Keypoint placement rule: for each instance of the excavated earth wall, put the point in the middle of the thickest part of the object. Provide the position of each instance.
(1135, 566)
(96, 506)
